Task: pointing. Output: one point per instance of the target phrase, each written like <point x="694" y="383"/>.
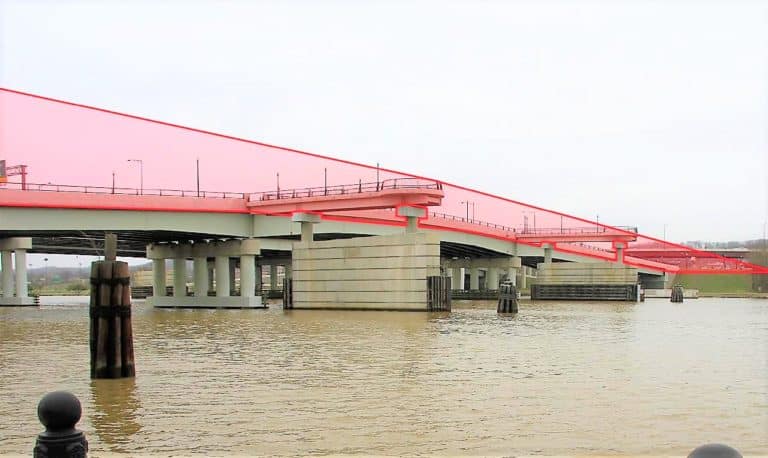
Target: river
<point x="651" y="378"/>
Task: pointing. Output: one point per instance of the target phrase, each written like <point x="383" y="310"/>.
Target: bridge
<point x="353" y="243"/>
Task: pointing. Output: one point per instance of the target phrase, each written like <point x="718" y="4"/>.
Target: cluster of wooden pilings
<point x="287" y="293"/>
<point x="507" y="298"/>
<point x="438" y="293"/>
<point x="110" y="310"/>
<point x="677" y="293"/>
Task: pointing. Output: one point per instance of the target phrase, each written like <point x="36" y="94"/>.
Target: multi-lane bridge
<point x="352" y="240"/>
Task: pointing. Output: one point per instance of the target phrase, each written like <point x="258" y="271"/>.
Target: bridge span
<point x="225" y="232"/>
<point x="371" y="238"/>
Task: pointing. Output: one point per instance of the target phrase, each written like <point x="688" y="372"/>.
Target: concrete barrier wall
<point x="377" y="273"/>
<point x="571" y="273"/>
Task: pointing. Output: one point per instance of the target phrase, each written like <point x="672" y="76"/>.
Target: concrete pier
<point x="14" y="278"/>
<point x="200" y="272"/>
<point x="585" y="281"/>
<point x="457" y="282"/>
<point x="221" y="271"/>
<point x="474" y="278"/>
<point x="247" y="250"/>
<point x="179" y="277"/>
<point x="367" y="273"/>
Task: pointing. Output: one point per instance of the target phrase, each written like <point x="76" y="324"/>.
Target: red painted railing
<point x="337" y="190"/>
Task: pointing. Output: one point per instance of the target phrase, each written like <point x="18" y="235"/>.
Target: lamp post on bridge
<point x="141" y="174"/>
<point x="467" y="202"/>
<point x="525" y="220"/>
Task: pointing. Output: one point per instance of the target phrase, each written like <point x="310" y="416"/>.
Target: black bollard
<point x="714" y="451"/>
<point x="59" y="412"/>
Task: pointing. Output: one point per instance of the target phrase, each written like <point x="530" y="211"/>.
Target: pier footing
<point x="237" y="302"/>
<point x="18" y="301"/>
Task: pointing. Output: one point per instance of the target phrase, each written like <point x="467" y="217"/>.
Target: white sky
<point x="645" y="113"/>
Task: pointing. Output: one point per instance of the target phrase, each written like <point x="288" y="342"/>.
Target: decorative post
<point x="59" y="412"/>
<point x="714" y="451"/>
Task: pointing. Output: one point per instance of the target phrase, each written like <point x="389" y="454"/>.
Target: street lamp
<point x="525" y="220"/>
<point x="473" y="209"/>
<point x="141" y="174"/>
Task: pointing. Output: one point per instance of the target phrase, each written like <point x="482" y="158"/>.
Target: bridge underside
<point x="133" y="243"/>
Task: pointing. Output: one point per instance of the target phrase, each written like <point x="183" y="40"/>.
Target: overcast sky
<point x="645" y="113"/>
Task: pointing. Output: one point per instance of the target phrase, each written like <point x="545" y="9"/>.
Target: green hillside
<point x="716" y="283"/>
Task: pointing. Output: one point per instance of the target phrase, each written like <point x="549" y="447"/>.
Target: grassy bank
<point x="710" y="285"/>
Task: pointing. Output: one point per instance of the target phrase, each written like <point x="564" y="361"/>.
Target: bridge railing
<point x="344" y="189"/>
<point x="85" y="189"/>
<point x="534" y="231"/>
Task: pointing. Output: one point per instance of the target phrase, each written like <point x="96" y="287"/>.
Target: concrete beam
<point x="16" y="243"/>
<point x="234" y="248"/>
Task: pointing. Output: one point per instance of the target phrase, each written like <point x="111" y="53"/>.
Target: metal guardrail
<point x="534" y="231"/>
<point x="338" y="190"/>
<point x="83" y="189"/>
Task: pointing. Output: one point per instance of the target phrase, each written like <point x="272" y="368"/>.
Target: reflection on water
<point x="557" y="378"/>
<point x="115" y="413"/>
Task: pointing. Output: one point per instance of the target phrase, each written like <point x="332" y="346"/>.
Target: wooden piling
<point x="111" y="329"/>
<point x="507" y="298"/>
<point x="677" y="294"/>
<point x="287" y="293"/>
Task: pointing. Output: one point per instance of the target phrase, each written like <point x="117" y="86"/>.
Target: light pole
<point x="141" y="174"/>
<point x="473" y="208"/>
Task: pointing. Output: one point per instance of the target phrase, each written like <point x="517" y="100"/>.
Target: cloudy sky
<point x="646" y="113"/>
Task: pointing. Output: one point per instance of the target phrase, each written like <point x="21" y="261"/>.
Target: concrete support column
<point x="7" y="260"/>
<point x="523" y="279"/>
<point x="307" y="232"/>
<point x="247" y="276"/>
<point x="258" y="279"/>
<point x="492" y="278"/>
<point x="211" y="275"/>
<point x="547" y="253"/>
<point x="222" y="276"/>
<point x="200" y="268"/>
<point x="411" y="225"/>
<point x="474" y="278"/>
<point x="306" y="220"/>
<point x="412" y="215"/>
<point x="512" y="275"/>
<point x="273" y="277"/>
<point x="179" y="277"/>
<point x="158" y="277"/>
<point x="619" y="253"/>
<point x="457" y="282"/>
<point x="232" y="274"/>
<point x="21" y="273"/>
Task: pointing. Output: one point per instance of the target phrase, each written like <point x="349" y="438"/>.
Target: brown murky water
<point x="558" y="378"/>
